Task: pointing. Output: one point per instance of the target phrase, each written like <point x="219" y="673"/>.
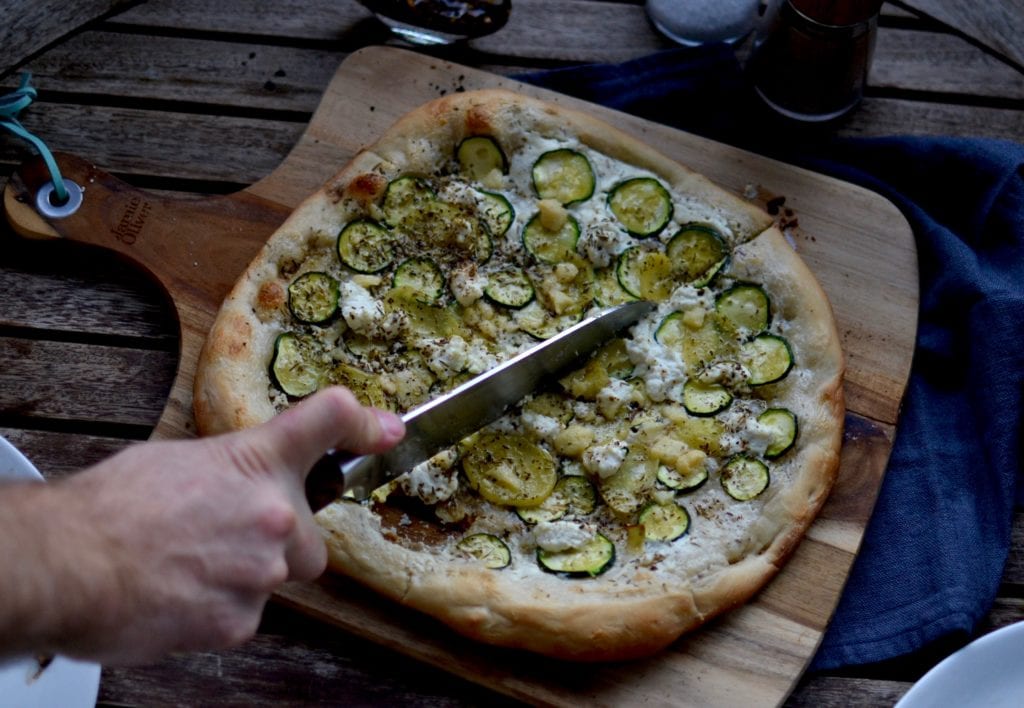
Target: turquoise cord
<point x="10" y="106"/>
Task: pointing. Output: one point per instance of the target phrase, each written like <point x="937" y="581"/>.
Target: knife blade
<point x="442" y="422"/>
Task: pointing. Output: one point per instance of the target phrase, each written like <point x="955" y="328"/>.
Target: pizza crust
<point x="632" y="610"/>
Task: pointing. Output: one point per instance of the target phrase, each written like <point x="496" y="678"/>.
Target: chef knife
<point x="444" y="421"/>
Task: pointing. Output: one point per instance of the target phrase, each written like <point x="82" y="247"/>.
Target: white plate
<point x="986" y="672"/>
<point x="65" y="682"/>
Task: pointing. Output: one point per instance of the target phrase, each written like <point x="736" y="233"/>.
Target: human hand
<point x="172" y="546"/>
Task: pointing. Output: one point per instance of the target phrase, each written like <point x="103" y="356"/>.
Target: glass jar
<point x="811" y="62"/>
<point x="440" y="21"/>
<point x="695" y="22"/>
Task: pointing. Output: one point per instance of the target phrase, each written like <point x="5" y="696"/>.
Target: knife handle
<point x="325" y="482"/>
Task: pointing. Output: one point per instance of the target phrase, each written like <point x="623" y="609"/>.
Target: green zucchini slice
<point x="744" y="478"/>
<point x="365" y="246"/>
<point x="704" y="399"/>
<point x="607" y="290"/>
<point x="698" y="253"/>
<point x="364" y="386"/>
<point x="572" y="496"/>
<point x="496" y="212"/>
<point x="645" y="273"/>
<point x="664" y="522"/>
<point x="551" y="246"/>
<point x="510" y="469"/>
<point x="589" y="560"/>
<point x="296" y="366"/>
<point x="511" y="288"/>
<point x="480" y="155"/>
<point x="679" y="482"/>
<point x="486" y="548"/>
<point x="365" y="347"/>
<point x="768" y="358"/>
<point x="422" y="277"/>
<point x="565" y="175"/>
<point x="538" y="322"/>
<point x="405" y="199"/>
<point x="313" y="297"/>
<point x="783" y="426"/>
<point x="746" y="308"/>
<point x="642" y="205"/>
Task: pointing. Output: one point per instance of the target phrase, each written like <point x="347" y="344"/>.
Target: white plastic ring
<point x="54" y="211"/>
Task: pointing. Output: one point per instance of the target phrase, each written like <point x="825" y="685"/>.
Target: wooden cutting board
<point x="857" y="243"/>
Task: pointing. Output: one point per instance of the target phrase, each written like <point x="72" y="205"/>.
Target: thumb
<point x="331" y="418"/>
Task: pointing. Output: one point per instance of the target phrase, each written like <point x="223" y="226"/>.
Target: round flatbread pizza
<point x="661" y="483"/>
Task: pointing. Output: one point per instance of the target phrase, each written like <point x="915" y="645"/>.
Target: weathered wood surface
<point x="995" y="25"/>
<point x="205" y="98"/>
<point x="29" y="25"/>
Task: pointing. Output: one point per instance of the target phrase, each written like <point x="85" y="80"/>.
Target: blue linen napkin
<point x="937" y="542"/>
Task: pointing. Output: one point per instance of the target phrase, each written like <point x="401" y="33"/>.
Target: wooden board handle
<point x="194" y="248"/>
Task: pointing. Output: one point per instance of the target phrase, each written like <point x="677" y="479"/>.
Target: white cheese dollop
<point x="434" y="480"/>
<point x="361" y="311"/>
<point x="605" y="460"/>
<point x="544" y="427"/>
<point x="560" y="535"/>
<point x="446" y="356"/>
<point x="467" y="284"/>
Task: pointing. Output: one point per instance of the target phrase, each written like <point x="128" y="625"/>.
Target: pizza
<point x="661" y="483"/>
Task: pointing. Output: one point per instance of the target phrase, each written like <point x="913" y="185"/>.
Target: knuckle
<point x="277" y="520"/>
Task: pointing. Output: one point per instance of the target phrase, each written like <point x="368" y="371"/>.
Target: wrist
<point x="56" y="570"/>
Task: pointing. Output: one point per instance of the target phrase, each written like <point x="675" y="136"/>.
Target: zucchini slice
<point x="422" y="277"/>
<point x="704" y="399"/>
<point x="783" y="426"/>
<point x="744" y="478"/>
<point x="550" y="405"/>
<point x="589" y="560"/>
<point x="365" y="246"/>
<point x="698" y="252"/>
<point x="768" y="358"/>
<point x="496" y="212"/>
<point x="511" y="288"/>
<point x="614" y="357"/>
<point x="745" y="308"/>
<point x="607" y="290"/>
<point x="565" y="175"/>
<point x="679" y="482"/>
<point x="296" y="366"/>
<point x="699" y="346"/>
<point x="538" y="322"/>
<point x="645" y="273"/>
<point x="313" y="297"/>
<point x="642" y="205"/>
<point x="510" y="469"/>
<point x="572" y="496"/>
<point x="480" y="155"/>
<point x="364" y="386"/>
<point x="627" y="489"/>
<point x="365" y="347"/>
<point x="405" y="199"/>
<point x="486" y="548"/>
<point x="664" y="522"/>
<point x="551" y="246"/>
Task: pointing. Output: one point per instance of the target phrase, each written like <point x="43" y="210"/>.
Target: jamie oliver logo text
<point x="132" y="220"/>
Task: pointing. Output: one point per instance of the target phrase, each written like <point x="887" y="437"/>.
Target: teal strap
<point x="10" y="106"/>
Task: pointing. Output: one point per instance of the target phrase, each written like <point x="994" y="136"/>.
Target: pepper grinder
<point x="811" y="61"/>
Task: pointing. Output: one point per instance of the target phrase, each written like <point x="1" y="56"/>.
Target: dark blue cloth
<point x="935" y="548"/>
